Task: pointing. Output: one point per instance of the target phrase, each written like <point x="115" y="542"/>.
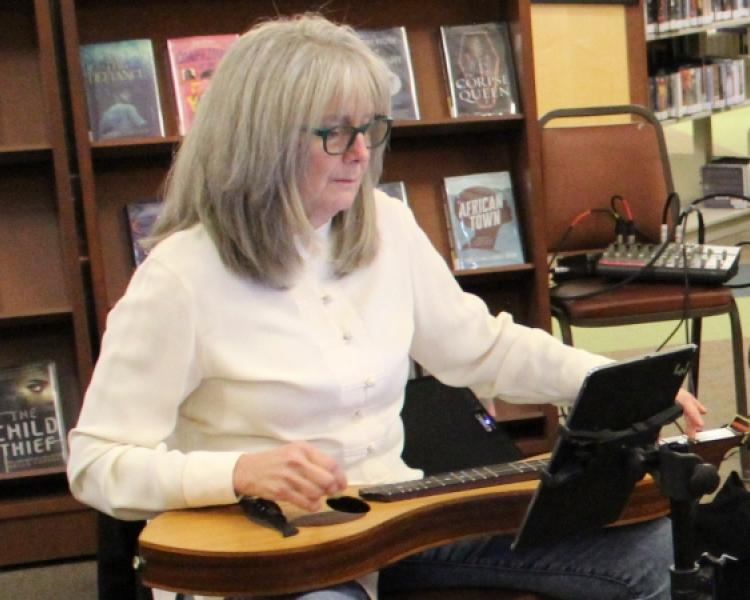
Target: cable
<point x="671" y="198"/>
<point x="682" y="221"/>
<point x="622" y="282"/>
<point x="580" y="217"/>
<point x="625" y="204"/>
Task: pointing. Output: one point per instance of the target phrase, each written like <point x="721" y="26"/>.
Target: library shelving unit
<point x="698" y="41"/>
<point x="43" y="305"/>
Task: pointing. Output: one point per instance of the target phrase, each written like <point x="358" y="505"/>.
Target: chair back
<point x="584" y="165"/>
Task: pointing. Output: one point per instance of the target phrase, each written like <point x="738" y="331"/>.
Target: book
<point x="32" y="430"/>
<point x="396" y="189"/>
<point x="392" y="46"/>
<point x="192" y="62"/>
<point x="122" y="91"/>
<point x="141" y="218"/>
<point x="479" y="69"/>
<point x="482" y="221"/>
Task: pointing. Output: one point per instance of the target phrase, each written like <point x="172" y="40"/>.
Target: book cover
<point x="392" y="46"/>
<point x="482" y="221"/>
<point x="122" y="92"/>
<point x="396" y="189"/>
<point x="192" y="62"/>
<point x="141" y="218"/>
<point x="32" y="430"/>
<point x="479" y="69"/>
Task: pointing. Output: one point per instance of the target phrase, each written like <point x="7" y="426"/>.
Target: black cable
<point x="622" y="282"/>
<point x="569" y="230"/>
<point x="671" y="197"/>
<point x="682" y="220"/>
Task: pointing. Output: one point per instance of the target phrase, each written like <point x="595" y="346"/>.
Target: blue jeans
<point x="620" y="563"/>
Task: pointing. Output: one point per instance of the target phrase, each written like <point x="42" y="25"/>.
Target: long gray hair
<point x="239" y="168"/>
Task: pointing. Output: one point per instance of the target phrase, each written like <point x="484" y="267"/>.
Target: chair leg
<point x="695" y="337"/>
<point x="566" y="333"/>
<point x="740" y="385"/>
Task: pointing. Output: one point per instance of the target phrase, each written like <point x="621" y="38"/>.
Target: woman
<point x="262" y="348"/>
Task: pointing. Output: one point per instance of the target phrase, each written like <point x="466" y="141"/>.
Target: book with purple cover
<point x="141" y="218"/>
<point x="32" y="429"/>
<point x="122" y="92"/>
<point x="192" y="61"/>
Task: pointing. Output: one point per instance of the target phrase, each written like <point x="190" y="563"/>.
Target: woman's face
<point x="330" y="183"/>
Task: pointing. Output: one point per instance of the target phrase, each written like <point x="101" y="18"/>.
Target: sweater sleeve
<point x="149" y="363"/>
<point x="462" y="344"/>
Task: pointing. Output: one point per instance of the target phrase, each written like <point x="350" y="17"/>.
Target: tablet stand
<point x="599" y="468"/>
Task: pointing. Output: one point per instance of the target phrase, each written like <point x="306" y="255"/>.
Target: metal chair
<point x="608" y="151"/>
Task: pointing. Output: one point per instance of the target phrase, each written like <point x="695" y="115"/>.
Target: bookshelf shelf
<point x="25" y="153"/>
<point x="707" y="28"/>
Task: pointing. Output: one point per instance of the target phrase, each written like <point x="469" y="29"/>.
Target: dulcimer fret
<point x="456" y="480"/>
<point x="711" y="445"/>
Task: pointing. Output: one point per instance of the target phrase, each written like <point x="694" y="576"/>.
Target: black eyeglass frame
<point x="324" y="132"/>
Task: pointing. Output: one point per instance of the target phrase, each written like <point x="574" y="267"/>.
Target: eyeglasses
<point x="338" y="140"/>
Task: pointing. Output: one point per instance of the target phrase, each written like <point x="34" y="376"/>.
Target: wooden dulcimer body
<point x="219" y="551"/>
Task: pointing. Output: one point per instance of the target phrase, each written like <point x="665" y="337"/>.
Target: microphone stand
<point x="683" y="477"/>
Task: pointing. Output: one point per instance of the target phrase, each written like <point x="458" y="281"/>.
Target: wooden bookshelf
<point x="43" y="303"/>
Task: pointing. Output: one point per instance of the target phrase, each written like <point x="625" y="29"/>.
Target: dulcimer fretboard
<point x="717" y="441"/>
<point x="456" y="480"/>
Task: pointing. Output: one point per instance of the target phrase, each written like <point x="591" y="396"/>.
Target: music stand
<point x="607" y="445"/>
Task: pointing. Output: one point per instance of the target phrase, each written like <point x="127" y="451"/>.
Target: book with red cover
<point x="192" y="61"/>
<point x="482" y="221"/>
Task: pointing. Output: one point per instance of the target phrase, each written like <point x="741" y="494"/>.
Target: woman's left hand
<point x="692" y="410"/>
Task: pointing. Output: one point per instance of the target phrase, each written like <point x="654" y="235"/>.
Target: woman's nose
<point x="358" y="150"/>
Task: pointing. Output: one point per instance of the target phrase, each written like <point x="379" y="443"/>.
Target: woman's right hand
<point x="297" y="472"/>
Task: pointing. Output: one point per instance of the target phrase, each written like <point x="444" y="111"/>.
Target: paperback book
<point x="482" y="221"/>
<point x="479" y="69"/>
<point x="192" y="61"/>
<point x="32" y="431"/>
<point x="141" y="218"/>
<point x="396" y="189"/>
<point x="392" y="46"/>
<point x="122" y="92"/>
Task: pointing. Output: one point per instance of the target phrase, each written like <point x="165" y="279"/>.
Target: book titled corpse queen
<point x="482" y="220"/>
<point x="479" y="69"/>
<point x="32" y="432"/>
